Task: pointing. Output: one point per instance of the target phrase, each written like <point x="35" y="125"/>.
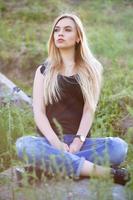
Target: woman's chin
<point x="64" y="47"/>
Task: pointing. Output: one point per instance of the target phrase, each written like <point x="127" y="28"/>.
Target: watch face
<point x="82" y="138"/>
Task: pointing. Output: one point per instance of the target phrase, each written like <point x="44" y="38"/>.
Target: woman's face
<point x="65" y="34"/>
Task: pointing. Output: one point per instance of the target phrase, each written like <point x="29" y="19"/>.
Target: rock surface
<point x="126" y="123"/>
<point x="55" y="189"/>
<point x="10" y="92"/>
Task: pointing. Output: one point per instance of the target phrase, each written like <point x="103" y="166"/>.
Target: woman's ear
<point x="78" y="40"/>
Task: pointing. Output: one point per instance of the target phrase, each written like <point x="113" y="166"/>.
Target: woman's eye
<point x="55" y="30"/>
<point x="68" y="30"/>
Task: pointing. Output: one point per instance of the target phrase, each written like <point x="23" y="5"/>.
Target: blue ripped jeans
<point x="38" y="151"/>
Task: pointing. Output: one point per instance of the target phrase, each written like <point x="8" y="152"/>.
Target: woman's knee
<point x="23" y="144"/>
<point x="20" y="142"/>
<point x="118" y="150"/>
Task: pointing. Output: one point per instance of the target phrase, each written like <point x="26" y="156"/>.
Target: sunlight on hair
<point x="89" y="68"/>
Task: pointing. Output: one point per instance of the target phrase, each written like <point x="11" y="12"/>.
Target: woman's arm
<point x="39" y="110"/>
<point x="84" y="127"/>
<point x="86" y="121"/>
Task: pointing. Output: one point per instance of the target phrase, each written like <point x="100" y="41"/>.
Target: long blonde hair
<point x="89" y="68"/>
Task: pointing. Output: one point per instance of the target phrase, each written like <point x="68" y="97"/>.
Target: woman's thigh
<point x="101" y="150"/>
<point x="31" y="145"/>
<point x="38" y="151"/>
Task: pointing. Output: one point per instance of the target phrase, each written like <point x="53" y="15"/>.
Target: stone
<point x="9" y="92"/>
<point x="126" y="123"/>
<point x="61" y="189"/>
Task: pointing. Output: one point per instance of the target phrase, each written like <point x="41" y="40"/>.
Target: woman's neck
<point x="68" y="65"/>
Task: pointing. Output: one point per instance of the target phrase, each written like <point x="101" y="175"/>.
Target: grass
<point x="24" y="30"/>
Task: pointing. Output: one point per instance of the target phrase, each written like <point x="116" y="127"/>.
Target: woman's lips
<point x="60" y="40"/>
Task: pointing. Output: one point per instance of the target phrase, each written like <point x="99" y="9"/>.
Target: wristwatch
<point x="81" y="137"/>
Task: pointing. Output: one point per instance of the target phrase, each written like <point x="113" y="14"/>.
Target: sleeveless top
<point x="68" y="110"/>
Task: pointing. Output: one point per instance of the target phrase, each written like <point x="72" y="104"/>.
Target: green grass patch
<point x="24" y="32"/>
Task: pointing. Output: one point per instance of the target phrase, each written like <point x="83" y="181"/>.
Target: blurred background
<point x="25" y="26"/>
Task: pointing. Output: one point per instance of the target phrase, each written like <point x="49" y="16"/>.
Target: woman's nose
<point x="60" y="35"/>
<point x="61" y="31"/>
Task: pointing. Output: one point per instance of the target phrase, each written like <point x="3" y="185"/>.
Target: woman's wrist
<point x="77" y="141"/>
<point x="81" y="137"/>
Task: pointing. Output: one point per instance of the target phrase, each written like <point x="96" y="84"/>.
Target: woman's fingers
<point x="65" y="147"/>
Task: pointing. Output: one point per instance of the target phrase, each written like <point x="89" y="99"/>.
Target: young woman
<point x="65" y="96"/>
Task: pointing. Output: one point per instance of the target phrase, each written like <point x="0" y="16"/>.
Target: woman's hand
<point x="75" y="146"/>
<point x="64" y="147"/>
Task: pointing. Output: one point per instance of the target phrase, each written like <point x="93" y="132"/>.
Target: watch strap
<point x="81" y="137"/>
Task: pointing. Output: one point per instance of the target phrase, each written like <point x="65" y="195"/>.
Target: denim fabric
<point x="37" y="150"/>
